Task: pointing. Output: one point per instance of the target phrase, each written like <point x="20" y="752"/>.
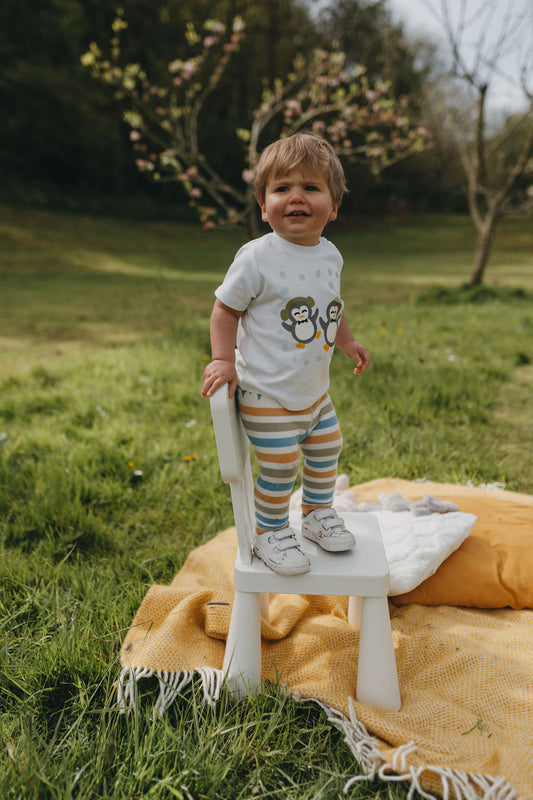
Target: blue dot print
<point x="301" y="277"/>
<point x="285" y="291"/>
<point x="282" y="274"/>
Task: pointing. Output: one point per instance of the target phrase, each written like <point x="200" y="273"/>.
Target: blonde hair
<point x="308" y="151"/>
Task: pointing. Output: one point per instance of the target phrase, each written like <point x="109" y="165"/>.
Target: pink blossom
<point x="214" y="26"/>
<point x="189" y="68"/>
<point x="247" y="175"/>
<point x="195" y="192"/>
<point x="134" y="136"/>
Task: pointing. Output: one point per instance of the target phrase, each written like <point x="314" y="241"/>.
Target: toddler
<point x="280" y="302"/>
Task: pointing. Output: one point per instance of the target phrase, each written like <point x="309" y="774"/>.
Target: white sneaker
<point x="280" y="551"/>
<point x="324" y="527"/>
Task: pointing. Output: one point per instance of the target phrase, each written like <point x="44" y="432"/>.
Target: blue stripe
<point x="269" y="524"/>
<point x="324" y="498"/>
<point x="330" y="422"/>
<point x="321" y="464"/>
<point x="274" y="487"/>
<point x="286" y="441"/>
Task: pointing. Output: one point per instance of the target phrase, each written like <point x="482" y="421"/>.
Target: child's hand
<point x="216" y="374"/>
<point x="360" y="355"/>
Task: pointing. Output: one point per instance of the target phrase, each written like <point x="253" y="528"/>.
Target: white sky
<point x="419" y="21"/>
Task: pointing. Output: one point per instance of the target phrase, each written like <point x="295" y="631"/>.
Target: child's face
<point x="298" y="206"/>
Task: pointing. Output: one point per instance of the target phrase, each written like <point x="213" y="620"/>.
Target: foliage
<point x="322" y="92"/>
<point x="366" y="33"/>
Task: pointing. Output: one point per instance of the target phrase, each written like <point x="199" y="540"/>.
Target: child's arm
<point x="354" y="350"/>
<point x="221" y="370"/>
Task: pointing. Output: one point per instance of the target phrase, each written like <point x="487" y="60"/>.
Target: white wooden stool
<point x="362" y="574"/>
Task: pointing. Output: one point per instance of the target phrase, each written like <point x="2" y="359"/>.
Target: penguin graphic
<point x="299" y="319"/>
<point x="330" y="325"/>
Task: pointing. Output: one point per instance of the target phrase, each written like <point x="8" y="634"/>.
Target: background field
<point x="103" y="341"/>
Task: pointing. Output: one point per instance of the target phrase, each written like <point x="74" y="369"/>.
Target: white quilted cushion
<point x="417" y="546"/>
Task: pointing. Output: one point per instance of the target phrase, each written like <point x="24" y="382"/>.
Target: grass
<point x="108" y="475"/>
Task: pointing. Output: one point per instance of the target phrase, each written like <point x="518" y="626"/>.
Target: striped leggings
<point x="277" y="435"/>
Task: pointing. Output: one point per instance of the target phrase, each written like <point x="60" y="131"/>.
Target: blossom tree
<point x="322" y="93"/>
<point x="498" y="166"/>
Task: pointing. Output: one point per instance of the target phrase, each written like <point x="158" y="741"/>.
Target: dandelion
<point x="383" y="331"/>
<point x="131" y="464"/>
<point x="206" y="357"/>
<point x="399" y="329"/>
<point x="189" y="458"/>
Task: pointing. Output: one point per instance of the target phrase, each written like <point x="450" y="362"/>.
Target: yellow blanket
<point x="466" y="674"/>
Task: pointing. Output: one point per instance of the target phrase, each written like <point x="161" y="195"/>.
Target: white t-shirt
<point x="291" y="298"/>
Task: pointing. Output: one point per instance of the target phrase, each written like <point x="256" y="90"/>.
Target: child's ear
<point x="334" y="211"/>
<point x="264" y="215"/>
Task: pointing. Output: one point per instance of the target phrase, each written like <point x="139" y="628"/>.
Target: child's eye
<point x="311" y="188"/>
<point x="280" y="189"/>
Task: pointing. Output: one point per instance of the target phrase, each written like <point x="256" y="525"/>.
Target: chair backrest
<point x="234" y="456"/>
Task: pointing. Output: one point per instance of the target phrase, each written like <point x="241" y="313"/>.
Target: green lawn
<point x="104" y="336"/>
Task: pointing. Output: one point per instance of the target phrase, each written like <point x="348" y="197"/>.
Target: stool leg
<point x="242" y="659"/>
<point x="355" y="605"/>
<point x="377" y="677"/>
<point x="264" y="602"/>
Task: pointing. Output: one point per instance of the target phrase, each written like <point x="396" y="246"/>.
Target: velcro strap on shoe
<point x="285" y="539"/>
<point x="329" y="519"/>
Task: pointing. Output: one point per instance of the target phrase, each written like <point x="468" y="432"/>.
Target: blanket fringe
<point x="454" y="783"/>
<point x="171" y="684"/>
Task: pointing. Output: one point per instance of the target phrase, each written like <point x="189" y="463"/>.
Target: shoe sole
<point x="332" y="546"/>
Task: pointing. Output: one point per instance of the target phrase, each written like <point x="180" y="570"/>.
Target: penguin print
<point x="300" y="320"/>
<point x="330" y="325"/>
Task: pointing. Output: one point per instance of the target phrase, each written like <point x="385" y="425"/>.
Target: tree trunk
<point x="252" y="228"/>
<point x="484" y="243"/>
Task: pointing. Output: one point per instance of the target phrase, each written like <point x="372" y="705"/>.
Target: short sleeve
<point x="242" y="282"/>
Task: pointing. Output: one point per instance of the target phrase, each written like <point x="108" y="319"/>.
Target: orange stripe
<point x="252" y="411"/>
<point x="306" y="509"/>
<point x="271" y="501"/>
<point x="314" y="473"/>
<point x="325" y="437"/>
<point x="278" y="458"/>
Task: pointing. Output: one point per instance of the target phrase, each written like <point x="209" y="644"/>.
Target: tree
<point x="364" y="122"/>
<point x="496" y="164"/>
<point x="366" y="33"/>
